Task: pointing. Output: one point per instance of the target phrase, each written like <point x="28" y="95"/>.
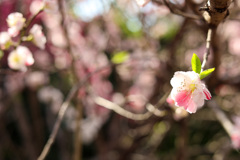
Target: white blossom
<point x="188" y="91"/>
<point x="142" y="2"/>
<point x="36" y="6"/>
<point x="5" y="39"/>
<point x="20" y="58"/>
<point x="38" y="37"/>
<point x="15" y="22"/>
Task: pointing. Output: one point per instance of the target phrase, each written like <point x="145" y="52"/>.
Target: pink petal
<point x="182" y="99"/>
<point x="207" y="94"/>
<point x="192" y="107"/>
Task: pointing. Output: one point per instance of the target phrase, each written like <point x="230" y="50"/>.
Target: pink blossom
<point x="36" y="6"/>
<point x="188" y="91"/>
<point x="5" y="40"/>
<point x="235" y="137"/>
<point x="142" y="2"/>
<point x="38" y="37"/>
<point x="50" y="6"/>
<point x="20" y="58"/>
<point x="15" y="22"/>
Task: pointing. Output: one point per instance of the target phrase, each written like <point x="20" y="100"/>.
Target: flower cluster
<point x="20" y="57"/>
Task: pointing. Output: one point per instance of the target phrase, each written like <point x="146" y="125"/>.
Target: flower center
<point x="192" y="87"/>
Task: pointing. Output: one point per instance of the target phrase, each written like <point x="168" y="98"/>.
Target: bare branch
<point x="208" y="43"/>
<point x="179" y="12"/>
<point x="116" y="108"/>
<point x="222" y="118"/>
<point x="62" y="111"/>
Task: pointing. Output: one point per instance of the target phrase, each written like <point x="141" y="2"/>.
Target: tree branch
<point x="62" y="111"/>
<point x="208" y="43"/>
<point x="176" y="11"/>
<point x="216" y="11"/>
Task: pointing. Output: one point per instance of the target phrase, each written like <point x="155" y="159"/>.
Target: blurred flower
<point x="15" y="22"/>
<point x="179" y="113"/>
<point x="50" y="6"/>
<point x="235" y="134"/>
<point x="38" y="37"/>
<point x="20" y="58"/>
<point x="235" y="137"/>
<point x="5" y="40"/>
<point x="142" y="2"/>
<point x="36" y="79"/>
<point x="36" y="6"/>
<point x="52" y="96"/>
<point x="188" y="91"/>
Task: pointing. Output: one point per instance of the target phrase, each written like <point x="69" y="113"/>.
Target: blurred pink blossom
<point x="38" y="37"/>
<point x="15" y="22"/>
<point x="36" y="6"/>
<point x="20" y="58"/>
<point x="142" y="2"/>
<point x="5" y="39"/>
<point x="188" y="91"/>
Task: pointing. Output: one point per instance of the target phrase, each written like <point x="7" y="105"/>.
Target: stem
<point x="208" y="43"/>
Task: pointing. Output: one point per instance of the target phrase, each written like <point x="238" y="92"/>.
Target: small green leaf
<point x="120" y="57"/>
<point x="196" y="64"/>
<point x="206" y="73"/>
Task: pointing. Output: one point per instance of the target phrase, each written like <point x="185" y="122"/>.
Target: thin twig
<point x="176" y="11"/>
<point x="222" y="118"/>
<point x="208" y="43"/>
<point x="62" y="111"/>
<point x="121" y="111"/>
<point x="116" y="108"/>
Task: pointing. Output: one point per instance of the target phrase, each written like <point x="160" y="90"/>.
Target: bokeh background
<point x="82" y="37"/>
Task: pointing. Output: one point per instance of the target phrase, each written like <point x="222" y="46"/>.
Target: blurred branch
<point x="176" y="11"/>
<point x="62" y="111"/>
<point x="221" y="116"/>
<point x="208" y="43"/>
<point x="116" y="108"/>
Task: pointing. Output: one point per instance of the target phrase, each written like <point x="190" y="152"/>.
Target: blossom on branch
<point x="5" y="40"/>
<point x="15" y="22"/>
<point x="38" y="37"/>
<point x="20" y="58"/>
<point x="188" y="91"/>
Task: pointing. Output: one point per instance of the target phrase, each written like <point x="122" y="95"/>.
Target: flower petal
<point x="192" y="107"/>
<point x="182" y="99"/>
<point x="207" y="94"/>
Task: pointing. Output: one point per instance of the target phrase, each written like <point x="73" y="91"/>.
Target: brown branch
<point x="222" y="118"/>
<point x="62" y="111"/>
<point x="216" y="11"/>
<point x="152" y="110"/>
<point x="208" y="43"/>
<point x="176" y="11"/>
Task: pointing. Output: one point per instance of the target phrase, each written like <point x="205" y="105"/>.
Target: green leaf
<point x="120" y="57"/>
<point x="196" y="64"/>
<point x="206" y="73"/>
